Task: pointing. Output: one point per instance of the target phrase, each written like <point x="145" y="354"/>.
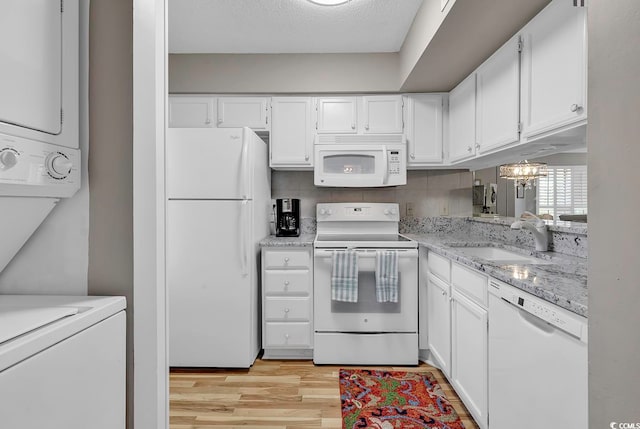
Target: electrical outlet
<point x="409" y="209"/>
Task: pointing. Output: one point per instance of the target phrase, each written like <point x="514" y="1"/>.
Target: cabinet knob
<point x="413" y="156"/>
<point x="575" y="107"/>
<point x="353" y="126"/>
<point x="477" y="145"/>
<point x="444" y="292"/>
<point x="219" y="121"/>
<point x="286" y="310"/>
<point x="286" y="282"/>
<point x="366" y="127"/>
<point x="306" y="157"/>
<point x="286" y="260"/>
<point x="469" y="149"/>
<point x="208" y="121"/>
<point x="286" y="336"/>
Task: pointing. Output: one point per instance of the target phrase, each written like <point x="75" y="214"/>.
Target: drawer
<point x="287" y="335"/>
<point x="470" y="282"/>
<point x="287" y="282"/>
<point x="287" y="309"/>
<point x="286" y="259"/>
<point x="440" y="266"/>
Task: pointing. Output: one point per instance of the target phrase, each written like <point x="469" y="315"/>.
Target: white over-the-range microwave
<point x="360" y="161"/>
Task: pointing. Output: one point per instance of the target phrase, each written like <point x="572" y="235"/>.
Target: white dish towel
<point x="344" y="276"/>
<point x="387" y="276"/>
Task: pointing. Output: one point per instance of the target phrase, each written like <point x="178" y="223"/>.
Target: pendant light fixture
<point x="329" y="2"/>
<point x="523" y="173"/>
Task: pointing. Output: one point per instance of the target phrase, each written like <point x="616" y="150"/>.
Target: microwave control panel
<point x="394" y="162"/>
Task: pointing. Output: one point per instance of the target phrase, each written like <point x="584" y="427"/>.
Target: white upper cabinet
<point x="191" y="112"/>
<point x="424" y="129"/>
<point x="382" y="114"/>
<point x="462" y="120"/>
<point x="498" y="98"/>
<point x="554" y="69"/>
<point x="337" y="115"/>
<point x="292" y="132"/>
<point x="252" y="112"/>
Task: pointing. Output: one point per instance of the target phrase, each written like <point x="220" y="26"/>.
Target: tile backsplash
<point x="427" y="193"/>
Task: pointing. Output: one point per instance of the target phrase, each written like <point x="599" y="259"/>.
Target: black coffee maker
<point x="287" y="217"/>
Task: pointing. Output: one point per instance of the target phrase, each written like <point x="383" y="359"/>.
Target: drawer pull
<point x="286" y="310"/>
<point x="286" y="336"/>
<point x="286" y="260"/>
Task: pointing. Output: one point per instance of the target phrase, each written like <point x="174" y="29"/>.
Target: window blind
<point x="563" y="191"/>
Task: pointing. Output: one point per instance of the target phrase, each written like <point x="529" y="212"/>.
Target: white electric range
<point x="366" y="332"/>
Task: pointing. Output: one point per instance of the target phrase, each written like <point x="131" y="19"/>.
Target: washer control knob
<point x="58" y="165"/>
<point x="8" y="158"/>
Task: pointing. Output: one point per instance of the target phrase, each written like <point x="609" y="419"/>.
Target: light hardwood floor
<point x="270" y="395"/>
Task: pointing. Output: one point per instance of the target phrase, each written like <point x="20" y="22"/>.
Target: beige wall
<point x="282" y="73"/>
<point x="614" y="234"/>
<point x="433" y="193"/>
<point x="110" y="158"/>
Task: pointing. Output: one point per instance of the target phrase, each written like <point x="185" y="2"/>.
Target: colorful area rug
<point x="394" y="399"/>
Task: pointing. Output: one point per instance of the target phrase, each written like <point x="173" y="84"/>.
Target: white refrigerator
<point x="218" y="208"/>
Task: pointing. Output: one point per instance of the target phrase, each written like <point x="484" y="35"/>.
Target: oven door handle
<point x="402" y="253"/>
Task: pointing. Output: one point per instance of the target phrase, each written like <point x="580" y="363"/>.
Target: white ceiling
<point x="288" y="26"/>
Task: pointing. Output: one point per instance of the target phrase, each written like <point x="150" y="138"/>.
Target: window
<point x="563" y="191"/>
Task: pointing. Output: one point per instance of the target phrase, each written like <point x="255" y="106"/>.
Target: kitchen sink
<point x="502" y="256"/>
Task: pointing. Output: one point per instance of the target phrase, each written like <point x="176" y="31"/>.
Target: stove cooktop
<point x="364" y="240"/>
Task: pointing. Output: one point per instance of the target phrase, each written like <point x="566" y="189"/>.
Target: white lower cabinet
<point x="287" y="303"/>
<point x="457" y="320"/>
<point x="469" y="342"/>
<point x="439" y="321"/>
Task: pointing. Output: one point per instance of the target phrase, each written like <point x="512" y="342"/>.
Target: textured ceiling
<point x="288" y="26"/>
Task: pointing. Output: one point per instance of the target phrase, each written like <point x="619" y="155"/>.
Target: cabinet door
<point x="382" y="114"/>
<point x="191" y="112"/>
<point x="554" y="69"/>
<point x="498" y="98"/>
<point x="249" y="112"/>
<point x="291" y="132"/>
<point x="337" y="115"/>
<point x="469" y="345"/>
<point x="424" y="129"/>
<point x="462" y="120"/>
<point x="439" y="322"/>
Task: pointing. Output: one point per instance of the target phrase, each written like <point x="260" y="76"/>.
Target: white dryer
<point x="62" y="362"/>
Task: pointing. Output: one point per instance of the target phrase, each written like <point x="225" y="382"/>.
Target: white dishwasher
<point x="537" y="362"/>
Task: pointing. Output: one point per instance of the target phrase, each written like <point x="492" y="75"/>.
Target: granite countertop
<point x="561" y="281"/>
<point x="304" y="240"/>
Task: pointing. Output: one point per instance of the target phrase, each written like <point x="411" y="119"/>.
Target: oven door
<point x="360" y="165"/>
<point x="366" y="315"/>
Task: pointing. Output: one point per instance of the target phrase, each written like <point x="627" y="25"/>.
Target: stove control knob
<point x="323" y="212"/>
<point x="387" y="212"/>
<point x="58" y="165"/>
<point x="8" y="158"/>
<point x="393" y="211"/>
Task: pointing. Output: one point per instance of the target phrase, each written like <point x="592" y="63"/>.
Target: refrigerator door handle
<point x="245" y="167"/>
<point x="244" y="259"/>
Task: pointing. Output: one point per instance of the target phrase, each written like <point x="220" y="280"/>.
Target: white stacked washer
<point x="366" y="332"/>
